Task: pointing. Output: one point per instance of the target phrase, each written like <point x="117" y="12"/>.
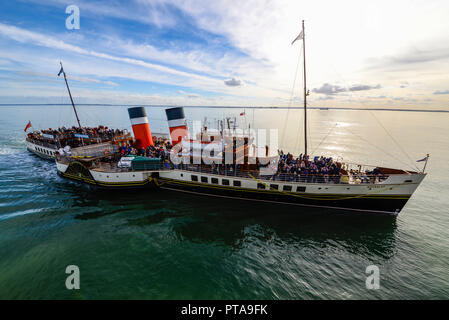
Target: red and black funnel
<point x="141" y="128"/>
<point x="177" y="124"/>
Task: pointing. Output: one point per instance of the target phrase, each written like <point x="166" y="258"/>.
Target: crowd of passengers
<point x="319" y="170"/>
<point x="66" y="136"/>
<point x="160" y="149"/>
<point x="303" y="169"/>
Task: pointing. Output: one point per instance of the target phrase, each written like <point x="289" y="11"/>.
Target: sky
<point x="388" y="54"/>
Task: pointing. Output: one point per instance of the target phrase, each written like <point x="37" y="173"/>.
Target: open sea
<point x="167" y="245"/>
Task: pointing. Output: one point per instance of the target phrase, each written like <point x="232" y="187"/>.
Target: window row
<point x="238" y="183"/>
<point x="42" y="150"/>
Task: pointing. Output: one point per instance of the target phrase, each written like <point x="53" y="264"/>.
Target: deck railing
<point x="42" y="143"/>
<point x="98" y="138"/>
<point x="357" y="178"/>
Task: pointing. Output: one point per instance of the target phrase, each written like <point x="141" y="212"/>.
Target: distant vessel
<point x="226" y="164"/>
<point x="46" y="143"/>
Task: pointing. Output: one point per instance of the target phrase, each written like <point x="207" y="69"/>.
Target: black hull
<point x="390" y="205"/>
<point x="379" y="204"/>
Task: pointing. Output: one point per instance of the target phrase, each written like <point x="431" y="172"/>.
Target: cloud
<point x="154" y="12"/>
<point x="118" y="65"/>
<point x="441" y="92"/>
<point x="420" y="56"/>
<point x="233" y="82"/>
<point x="326" y="98"/>
<point x="329" y="89"/>
<point x="25" y="36"/>
<point x="377" y="97"/>
<point x="196" y="45"/>
<point x="110" y="83"/>
<point x="72" y="77"/>
<point x="404" y="84"/>
<point x="410" y="56"/>
<point x="361" y="87"/>
<point x="189" y="94"/>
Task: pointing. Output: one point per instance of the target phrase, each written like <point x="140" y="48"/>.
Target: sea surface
<point x="167" y="245"/>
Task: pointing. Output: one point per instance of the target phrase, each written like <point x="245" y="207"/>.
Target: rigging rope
<point x="291" y="96"/>
<point x="330" y="131"/>
<point x="397" y="144"/>
<point x="387" y="153"/>
<point x="297" y="143"/>
<point x="413" y="165"/>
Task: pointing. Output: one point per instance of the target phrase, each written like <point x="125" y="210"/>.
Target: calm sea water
<point x="171" y="246"/>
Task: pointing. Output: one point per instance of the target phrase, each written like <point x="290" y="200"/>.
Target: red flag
<point x="28" y="126"/>
<point x="242" y="114"/>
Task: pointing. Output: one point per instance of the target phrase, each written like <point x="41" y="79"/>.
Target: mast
<point x="305" y="88"/>
<point x="70" y="95"/>
<point x="425" y="165"/>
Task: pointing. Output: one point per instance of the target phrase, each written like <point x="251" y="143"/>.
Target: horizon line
<point x="226" y="107"/>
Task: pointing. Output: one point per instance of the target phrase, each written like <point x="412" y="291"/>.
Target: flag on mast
<point x="28" y="126"/>
<point x="242" y="113"/>
<point x="422" y="160"/>
<point x="300" y="37"/>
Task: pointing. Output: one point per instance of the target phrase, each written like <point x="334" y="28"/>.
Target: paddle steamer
<point x="200" y="168"/>
<point x="222" y="163"/>
<point x="46" y="143"/>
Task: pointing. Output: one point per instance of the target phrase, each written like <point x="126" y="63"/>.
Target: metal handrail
<point x="278" y="177"/>
<point x="102" y="137"/>
<point x="42" y="143"/>
<point x="288" y="177"/>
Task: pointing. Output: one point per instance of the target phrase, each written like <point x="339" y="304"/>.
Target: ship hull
<point x="381" y="204"/>
<point x="378" y="199"/>
<point x="43" y="152"/>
